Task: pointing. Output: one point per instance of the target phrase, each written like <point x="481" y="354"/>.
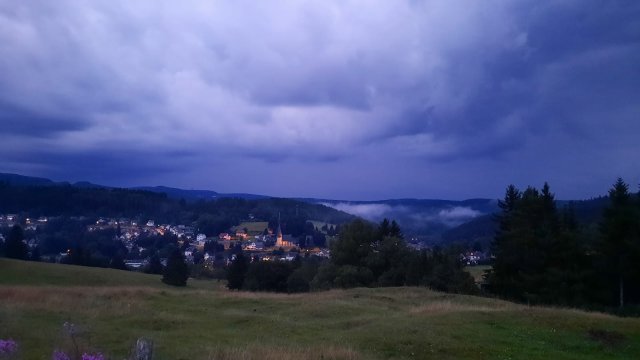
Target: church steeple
<point x="279" y="232"/>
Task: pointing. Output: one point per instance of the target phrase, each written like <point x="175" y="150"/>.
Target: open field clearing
<point x="477" y="272"/>
<point x="252" y="227"/>
<point x="205" y="321"/>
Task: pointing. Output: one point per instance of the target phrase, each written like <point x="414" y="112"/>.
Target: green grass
<point x="205" y="321"/>
<point x="253" y="227"/>
<point x="477" y="272"/>
<point x="13" y="272"/>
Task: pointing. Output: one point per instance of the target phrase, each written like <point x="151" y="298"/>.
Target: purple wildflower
<point x="59" y="355"/>
<point x="96" y="356"/>
<point x="8" y="346"/>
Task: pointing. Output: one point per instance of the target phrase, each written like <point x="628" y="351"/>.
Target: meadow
<point x="205" y="321"/>
<point x="252" y="227"/>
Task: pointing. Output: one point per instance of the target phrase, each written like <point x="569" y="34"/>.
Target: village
<point x="255" y="238"/>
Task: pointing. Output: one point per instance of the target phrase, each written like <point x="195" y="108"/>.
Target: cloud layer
<point x="353" y="99"/>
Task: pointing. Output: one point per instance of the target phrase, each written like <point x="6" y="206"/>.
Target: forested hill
<point x="483" y="228"/>
<point x="188" y="195"/>
<point x="71" y="200"/>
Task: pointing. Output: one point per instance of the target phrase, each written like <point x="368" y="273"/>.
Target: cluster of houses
<point x="30" y="224"/>
<point x="8" y="220"/>
<point x="264" y="245"/>
<point x="260" y="245"/>
<point x="472" y="258"/>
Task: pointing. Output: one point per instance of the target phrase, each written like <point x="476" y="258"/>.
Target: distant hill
<point x="194" y="195"/>
<point x="429" y="220"/>
<point x="46" y="198"/>
<point x="175" y="193"/>
<point x="181" y="193"/>
<point x="424" y="219"/>
<point x="482" y="228"/>
<point x="15" y="179"/>
<point x="21" y="180"/>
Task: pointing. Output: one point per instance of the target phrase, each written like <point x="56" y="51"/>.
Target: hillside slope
<point x="207" y="321"/>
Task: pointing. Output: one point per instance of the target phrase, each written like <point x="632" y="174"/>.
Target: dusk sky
<point x="356" y="100"/>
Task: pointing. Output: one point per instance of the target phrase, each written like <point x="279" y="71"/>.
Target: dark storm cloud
<point x="106" y="167"/>
<point x="424" y="90"/>
<point x="27" y="122"/>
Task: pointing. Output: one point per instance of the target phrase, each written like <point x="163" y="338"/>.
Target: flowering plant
<point x="59" y="355"/>
<point x="8" y="347"/>
<point x="96" y="356"/>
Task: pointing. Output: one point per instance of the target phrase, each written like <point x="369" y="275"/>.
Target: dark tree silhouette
<point x="117" y="263"/>
<point x="237" y="271"/>
<point x="154" y="266"/>
<point x="177" y="272"/>
<point x="620" y="243"/>
<point x="14" y="247"/>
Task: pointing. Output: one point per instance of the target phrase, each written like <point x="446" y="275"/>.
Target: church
<point x="281" y="241"/>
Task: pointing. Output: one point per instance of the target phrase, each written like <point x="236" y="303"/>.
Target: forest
<point x="542" y="255"/>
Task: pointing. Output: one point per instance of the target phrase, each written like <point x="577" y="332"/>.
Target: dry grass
<point x="206" y="321"/>
<point x="114" y="300"/>
<point x="446" y="306"/>
<point x="282" y="353"/>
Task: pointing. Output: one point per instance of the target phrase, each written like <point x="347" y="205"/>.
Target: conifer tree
<point x="537" y="258"/>
<point x="14" y="247"/>
<point x="394" y="230"/>
<point x="117" y="262"/>
<point x="154" y="266"/>
<point x="503" y="277"/>
<point x="177" y="272"/>
<point x="619" y="245"/>
<point x="237" y="271"/>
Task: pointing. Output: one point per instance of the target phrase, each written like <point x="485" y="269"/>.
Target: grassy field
<point x="253" y="227"/>
<point x="205" y="321"/>
<point x="477" y="272"/>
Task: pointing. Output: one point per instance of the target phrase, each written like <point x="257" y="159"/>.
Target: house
<point x="289" y="257"/>
<point x="188" y="252"/>
<point x="242" y="236"/>
<point x="254" y="246"/>
<point x="472" y="257"/>
<point x="135" y="264"/>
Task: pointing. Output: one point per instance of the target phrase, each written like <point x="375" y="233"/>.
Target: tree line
<point x="542" y="255"/>
<point x="210" y="216"/>
<point x="365" y="254"/>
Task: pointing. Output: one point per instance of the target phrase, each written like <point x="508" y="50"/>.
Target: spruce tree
<point x="384" y="228"/>
<point x="237" y="271"/>
<point x="394" y="230"/>
<point x="503" y="277"/>
<point x="117" y="262"/>
<point x="538" y="259"/>
<point x="14" y="247"/>
<point x="177" y="272"/>
<point x="619" y="243"/>
<point x="154" y="266"/>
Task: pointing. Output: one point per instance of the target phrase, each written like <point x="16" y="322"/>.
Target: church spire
<point x="279" y="232"/>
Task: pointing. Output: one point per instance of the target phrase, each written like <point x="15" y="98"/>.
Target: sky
<point x="337" y="99"/>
